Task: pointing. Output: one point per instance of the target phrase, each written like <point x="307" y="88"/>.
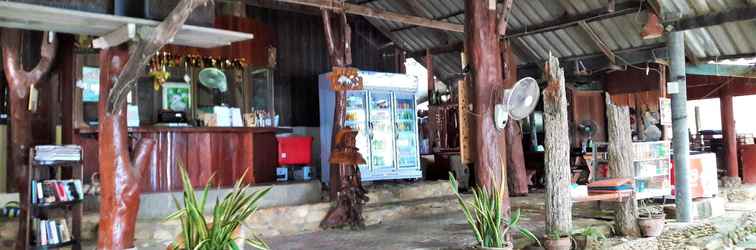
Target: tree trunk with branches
<point x="120" y="171"/>
<point x="346" y="184"/>
<point x="19" y="84"/>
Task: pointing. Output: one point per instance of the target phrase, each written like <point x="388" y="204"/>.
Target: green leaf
<point x="227" y="215"/>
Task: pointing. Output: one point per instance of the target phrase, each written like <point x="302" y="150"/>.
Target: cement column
<point x="728" y="134"/>
<point x="680" y="140"/>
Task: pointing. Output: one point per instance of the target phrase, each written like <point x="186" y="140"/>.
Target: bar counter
<point x="224" y="153"/>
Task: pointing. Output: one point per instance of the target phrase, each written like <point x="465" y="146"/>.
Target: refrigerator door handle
<point x="396" y="131"/>
<point x="370" y="130"/>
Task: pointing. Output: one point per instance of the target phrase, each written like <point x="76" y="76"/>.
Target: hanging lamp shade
<point x="653" y="28"/>
<point x="213" y="78"/>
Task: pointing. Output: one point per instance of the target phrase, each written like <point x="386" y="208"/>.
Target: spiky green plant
<point x="485" y="218"/>
<point x="228" y="215"/>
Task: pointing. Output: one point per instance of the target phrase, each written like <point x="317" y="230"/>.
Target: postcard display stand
<point x="57" y="210"/>
<point x="652" y="169"/>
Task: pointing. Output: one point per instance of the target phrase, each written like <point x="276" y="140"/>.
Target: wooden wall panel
<point x="587" y="105"/>
<point x="302" y="56"/>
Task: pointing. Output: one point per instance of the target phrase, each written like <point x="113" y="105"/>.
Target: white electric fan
<point x="517" y="102"/>
<point x="215" y="80"/>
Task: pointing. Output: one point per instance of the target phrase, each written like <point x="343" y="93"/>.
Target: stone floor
<point x="439" y="231"/>
<point x="449" y="230"/>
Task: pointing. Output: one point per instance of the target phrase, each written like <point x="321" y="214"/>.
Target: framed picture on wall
<point x="177" y="96"/>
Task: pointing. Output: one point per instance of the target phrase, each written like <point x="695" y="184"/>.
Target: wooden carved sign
<point x="346" y="152"/>
<point x="344" y="78"/>
<point x="351" y="196"/>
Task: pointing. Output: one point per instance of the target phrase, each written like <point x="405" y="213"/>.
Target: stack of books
<point x="52" y="232"/>
<point x="51" y="191"/>
<point x="611" y="185"/>
<point x="51" y="153"/>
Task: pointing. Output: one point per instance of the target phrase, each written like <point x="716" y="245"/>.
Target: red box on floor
<point x="294" y="150"/>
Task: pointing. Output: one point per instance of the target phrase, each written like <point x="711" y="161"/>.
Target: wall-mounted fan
<point x="517" y="102"/>
<point x="215" y="80"/>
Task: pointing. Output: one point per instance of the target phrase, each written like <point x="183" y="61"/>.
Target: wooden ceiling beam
<point x="356" y="9"/>
<point x="597" y="41"/>
<point x="711" y="19"/>
<point x="621" y="9"/>
<point x="415" y="8"/>
<point x="441" y="18"/>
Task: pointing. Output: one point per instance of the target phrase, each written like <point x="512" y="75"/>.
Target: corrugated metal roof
<point x="719" y="40"/>
<point x="619" y="33"/>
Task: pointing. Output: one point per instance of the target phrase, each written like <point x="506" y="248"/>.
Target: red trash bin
<point x="294" y="150"/>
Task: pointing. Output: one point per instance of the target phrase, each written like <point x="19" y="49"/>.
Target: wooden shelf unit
<point x="72" y="210"/>
<point x="651" y="165"/>
<point x="37" y="17"/>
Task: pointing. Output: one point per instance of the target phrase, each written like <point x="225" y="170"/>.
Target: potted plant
<point x="589" y="238"/>
<point x="485" y="218"/>
<point x="557" y="240"/>
<point x="222" y="232"/>
<point x="651" y="219"/>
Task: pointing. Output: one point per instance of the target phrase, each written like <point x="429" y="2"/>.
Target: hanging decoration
<point x="164" y="60"/>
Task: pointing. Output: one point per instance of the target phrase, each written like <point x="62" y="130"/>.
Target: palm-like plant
<point x="228" y="215"/>
<point x="485" y="218"/>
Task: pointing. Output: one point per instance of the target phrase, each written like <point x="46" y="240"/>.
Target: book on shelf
<point x="65" y="234"/>
<point x="51" y="191"/>
<point x="52" y="153"/>
<point x="52" y="229"/>
<point x="50" y="232"/>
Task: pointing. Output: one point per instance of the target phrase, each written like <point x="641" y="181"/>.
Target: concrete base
<point x="703" y="208"/>
<point x="160" y="205"/>
<point x="729" y="181"/>
<point x="288" y="209"/>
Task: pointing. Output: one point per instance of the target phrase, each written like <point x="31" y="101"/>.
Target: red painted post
<point x="728" y="134"/>
<point x="429" y="67"/>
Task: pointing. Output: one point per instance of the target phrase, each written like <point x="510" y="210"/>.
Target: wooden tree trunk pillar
<point x="486" y="75"/>
<point x="119" y="171"/>
<point x="19" y="84"/>
<point x="557" y="150"/>
<point x="346" y="185"/>
<point x="621" y="164"/>
<point x="729" y="135"/>
<point x="517" y="177"/>
<point x="119" y="175"/>
<point x="516" y="173"/>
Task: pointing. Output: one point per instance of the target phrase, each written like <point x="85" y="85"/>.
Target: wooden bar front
<point x="221" y="153"/>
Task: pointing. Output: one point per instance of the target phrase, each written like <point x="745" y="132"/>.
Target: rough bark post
<point x="119" y="169"/>
<point x="484" y="58"/>
<point x="621" y="164"/>
<point x="346" y="183"/>
<point x="19" y="82"/>
<point x="557" y="150"/>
